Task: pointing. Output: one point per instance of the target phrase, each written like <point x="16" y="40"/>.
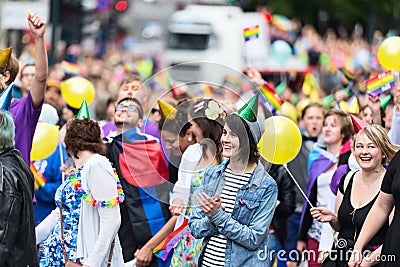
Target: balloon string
<point x="298" y="186"/>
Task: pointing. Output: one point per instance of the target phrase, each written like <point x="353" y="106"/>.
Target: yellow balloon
<point x="76" y="89"/>
<point x="45" y="141"/>
<point x="288" y="110"/>
<point x="281" y="141"/>
<point x="389" y="53"/>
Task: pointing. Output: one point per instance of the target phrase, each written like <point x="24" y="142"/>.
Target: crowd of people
<point x="139" y="170"/>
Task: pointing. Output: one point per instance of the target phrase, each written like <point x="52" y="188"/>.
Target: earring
<point x="189" y="139"/>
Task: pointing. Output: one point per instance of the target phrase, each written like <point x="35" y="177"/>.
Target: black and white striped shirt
<point x="214" y="252"/>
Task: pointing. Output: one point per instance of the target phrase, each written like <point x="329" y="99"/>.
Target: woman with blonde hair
<point x="358" y="191"/>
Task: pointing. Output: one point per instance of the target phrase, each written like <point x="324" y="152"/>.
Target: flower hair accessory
<point x="213" y="111"/>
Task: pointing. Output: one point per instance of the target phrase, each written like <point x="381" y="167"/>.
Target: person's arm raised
<point x="38" y="27"/>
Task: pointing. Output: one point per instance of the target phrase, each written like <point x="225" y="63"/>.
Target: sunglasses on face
<point x="127" y="107"/>
<point x="154" y="110"/>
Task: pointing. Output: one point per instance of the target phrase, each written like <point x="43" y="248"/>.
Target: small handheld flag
<point x="380" y="83"/>
<point x="271" y="96"/>
<point x="347" y="76"/>
<point x="40" y="180"/>
<point x="251" y="33"/>
<point x="163" y="249"/>
<point x="70" y="68"/>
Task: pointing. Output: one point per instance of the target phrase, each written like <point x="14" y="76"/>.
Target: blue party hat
<point x="6" y="97"/>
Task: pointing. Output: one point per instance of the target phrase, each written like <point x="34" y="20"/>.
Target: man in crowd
<point x="140" y="164"/>
<point x="128" y="88"/>
<point x="26" y="111"/>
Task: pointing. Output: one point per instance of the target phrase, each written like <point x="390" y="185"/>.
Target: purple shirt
<point x="108" y="127"/>
<point x="151" y="128"/>
<point x="25" y="120"/>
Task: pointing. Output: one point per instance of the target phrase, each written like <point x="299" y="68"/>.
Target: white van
<point x="205" y="43"/>
<point x="205" y="39"/>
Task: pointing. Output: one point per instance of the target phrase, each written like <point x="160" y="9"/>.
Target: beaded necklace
<point x="93" y="202"/>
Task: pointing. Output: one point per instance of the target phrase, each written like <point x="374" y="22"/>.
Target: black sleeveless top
<point x="351" y="220"/>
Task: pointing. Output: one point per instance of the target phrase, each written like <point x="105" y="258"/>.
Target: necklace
<point x="94" y="202"/>
<point x="371" y="183"/>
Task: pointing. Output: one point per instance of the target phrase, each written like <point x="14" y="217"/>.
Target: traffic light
<point x="121" y="6"/>
<point x="71" y="14"/>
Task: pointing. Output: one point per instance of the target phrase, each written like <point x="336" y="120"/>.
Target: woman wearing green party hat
<point x="237" y="199"/>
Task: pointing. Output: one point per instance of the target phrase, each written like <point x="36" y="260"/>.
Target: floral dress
<point x="187" y="250"/>
<point x="51" y="252"/>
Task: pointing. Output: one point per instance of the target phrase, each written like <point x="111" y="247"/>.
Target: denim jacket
<point x="246" y="228"/>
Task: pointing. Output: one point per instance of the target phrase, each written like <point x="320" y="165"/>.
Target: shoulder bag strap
<point x="62" y="233"/>
<point x="347" y="180"/>
<point x="111" y="253"/>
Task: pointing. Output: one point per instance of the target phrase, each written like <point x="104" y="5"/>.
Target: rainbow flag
<point x="231" y="82"/>
<point x="40" y="180"/>
<point x="347" y="76"/>
<point x="70" y="68"/>
<point x="380" y="83"/>
<point x="251" y="33"/>
<point x="130" y="67"/>
<point x="162" y="80"/>
<point x="206" y="89"/>
<point x="271" y="96"/>
<point x="163" y="249"/>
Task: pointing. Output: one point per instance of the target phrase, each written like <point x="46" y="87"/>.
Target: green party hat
<point x="385" y="101"/>
<point x="250" y="109"/>
<point x="83" y="112"/>
<point x="249" y="113"/>
<point x="167" y="111"/>
<point x="280" y="88"/>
